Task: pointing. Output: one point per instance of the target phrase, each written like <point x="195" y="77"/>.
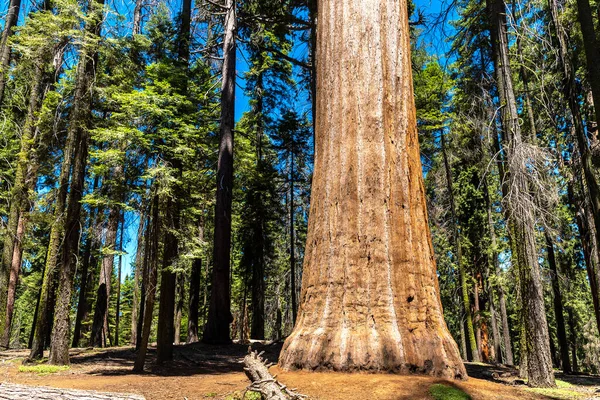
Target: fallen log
<point x="263" y="382"/>
<point x="10" y="391"/>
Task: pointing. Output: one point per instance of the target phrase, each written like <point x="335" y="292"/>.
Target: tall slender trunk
<point x="179" y="307"/>
<point x="82" y="306"/>
<point x="194" y="301"/>
<point x="150" y="293"/>
<point x="292" y="240"/>
<point x="459" y="258"/>
<point x="496" y="337"/>
<point x="495" y="263"/>
<point x="539" y="361"/>
<point x="118" y="310"/>
<point x="561" y="332"/>
<point x="370" y="297"/>
<point x="10" y="21"/>
<point x="100" y="322"/>
<point x="476" y="322"/>
<point x="573" y="334"/>
<point x="257" y="329"/>
<point x="166" y="328"/>
<point x="145" y="280"/>
<point x="216" y="329"/>
<point x="139" y="254"/>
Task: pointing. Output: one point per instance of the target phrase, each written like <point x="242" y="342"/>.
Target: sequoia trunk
<point x="370" y="297"/>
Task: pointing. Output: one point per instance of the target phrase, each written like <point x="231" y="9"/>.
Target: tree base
<point x="437" y="357"/>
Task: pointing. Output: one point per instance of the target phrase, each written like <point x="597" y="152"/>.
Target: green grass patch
<point x="43" y="369"/>
<point x="248" y="396"/>
<point x="559" y="393"/>
<point x="445" y="392"/>
<point x="562" y="384"/>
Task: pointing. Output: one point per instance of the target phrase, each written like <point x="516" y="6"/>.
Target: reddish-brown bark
<point x="370" y="297"/>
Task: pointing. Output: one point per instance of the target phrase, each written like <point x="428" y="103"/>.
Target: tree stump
<point x="17" y="392"/>
<point x="265" y="383"/>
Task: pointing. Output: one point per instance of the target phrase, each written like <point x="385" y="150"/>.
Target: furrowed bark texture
<point x="370" y="297"/>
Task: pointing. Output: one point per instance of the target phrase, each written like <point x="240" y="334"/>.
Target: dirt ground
<point x="204" y="372"/>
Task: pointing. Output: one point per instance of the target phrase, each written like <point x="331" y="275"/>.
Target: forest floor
<point x="204" y="372"/>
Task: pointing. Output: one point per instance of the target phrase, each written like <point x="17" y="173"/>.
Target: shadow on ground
<point x="188" y="359"/>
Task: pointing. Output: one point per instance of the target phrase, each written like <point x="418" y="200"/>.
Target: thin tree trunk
<point x="151" y="259"/>
<point x="82" y="306"/>
<point x="145" y="282"/>
<point x="495" y="267"/>
<point x="166" y="329"/>
<point x="100" y="324"/>
<point x="194" y="301"/>
<point x="118" y="311"/>
<point x="219" y="312"/>
<point x="135" y="309"/>
<point x="459" y="259"/>
<point x="14" y="277"/>
<point x="573" y="334"/>
<point x="257" y="330"/>
<point x="370" y="297"/>
<point x="179" y="306"/>
<point x="476" y="322"/>
<point x="561" y="332"/>
<point x="292" y="241"/>
<point x="539" y="361"/>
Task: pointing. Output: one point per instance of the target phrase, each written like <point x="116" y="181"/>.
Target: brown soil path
<point x="203" y="372"/>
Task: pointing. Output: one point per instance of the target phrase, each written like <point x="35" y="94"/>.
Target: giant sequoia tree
<point x="370" y="297"/>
